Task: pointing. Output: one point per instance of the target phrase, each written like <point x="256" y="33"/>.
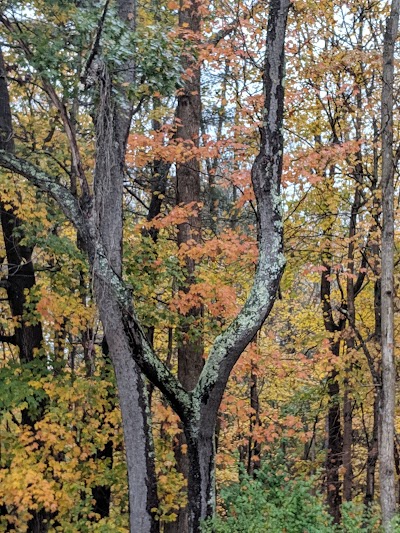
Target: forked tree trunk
<point x="266" y="173"/>
<point x="197" y="409"/>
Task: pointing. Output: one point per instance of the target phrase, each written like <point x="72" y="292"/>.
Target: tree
<point x="103" y="209"/>
<point x="387" y="407"/>
<point x="188" y="116"/>
<point x="99" y="229"/>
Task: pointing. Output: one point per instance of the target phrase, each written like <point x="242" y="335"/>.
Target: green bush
<point x="272" y="502"/>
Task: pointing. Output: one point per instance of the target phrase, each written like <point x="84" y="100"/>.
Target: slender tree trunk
<point x="334" y="430"/>
<point x="190" y="351"/>
<point x="387" y="408"/>
<point x="190" y="346"/>
<point x="372" y="457"/>
<point x="347" y="441"/>
<point x="335" y="449"/>
<point x="253" y="461"/>
<point x="112" y="127"/>
<point x="351" y="313"/>
<point x="373" y="444"/>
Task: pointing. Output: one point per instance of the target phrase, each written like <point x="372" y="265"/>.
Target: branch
<point x="9" y="339"/>
<point x="363" y="343"/>
<point x="142" y="352"/>
<point x="71" y="135"/>
<point x="68" y="125"/>
<point x="50" y="185"/>
<point x="224" y="32"/>
<point x="266" y="177"/>
<point x="95" y="46"/>
<point x="361" y="275"/>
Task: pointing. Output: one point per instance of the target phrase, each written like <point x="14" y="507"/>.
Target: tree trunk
<point x="335" y="449"/>
<point x="266" y="172"/>
<point x="132" y="393"/>
<point x="387" y="408"/>
<point x="21" y="274"/>
<point x="253" y="461"/>
<point x="190" y="350"/>
<point x="190" y="346"/>
<point x="372" y="457"/>
<point x="112" y="128"/>
<point x="201" y="481"/>
<point x="334" y="437"/>
<point x="347" y="442"/>
<point x="352" y="290"/>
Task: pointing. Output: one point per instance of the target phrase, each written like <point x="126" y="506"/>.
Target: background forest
<point x="184" y="84"/>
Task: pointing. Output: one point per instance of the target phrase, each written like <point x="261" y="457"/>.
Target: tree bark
<point x="266" y="175"/>
<point x="335" y="447"/>
<point x="334" y="436"/>
<point x="253" y="460"/>
<point x="372" y="457"/>
<point x="188" y="114"/>
<point x="387" y="408"/>
<point x="21" y="274"/>
<point x="112" y="127"/>
<point x="190" y="345"/>
<point x="352" y="290"/>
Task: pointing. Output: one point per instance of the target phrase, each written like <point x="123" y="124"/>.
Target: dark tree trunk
<point x="352" y="290"/>
<point x="334" y="436"/>
<point x="253" y="461"/>
<point x="347" y="441"/>
<point x="201" y="481"/>
<point x="372" y="457"/>
<point x="188" y="114"/>
<point x="334" y="451"/>
<point x="21" y="274"/>
<point x="190" y="346"/>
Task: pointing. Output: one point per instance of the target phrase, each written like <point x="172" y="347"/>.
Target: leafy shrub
<point x="272" y="502"/>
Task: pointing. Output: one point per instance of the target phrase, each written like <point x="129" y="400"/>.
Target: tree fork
<point x="198" y="409"/>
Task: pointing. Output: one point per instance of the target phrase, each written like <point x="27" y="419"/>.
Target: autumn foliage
<point x="61" y="440"/>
